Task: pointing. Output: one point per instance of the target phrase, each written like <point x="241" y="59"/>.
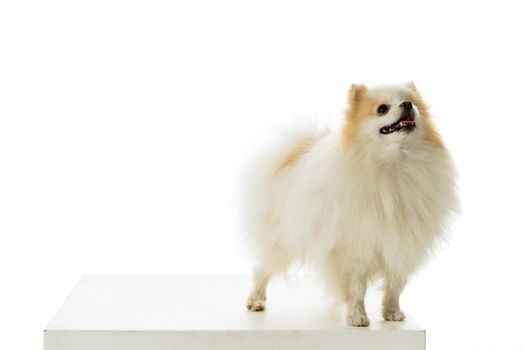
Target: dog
<point x="370" y="200"/>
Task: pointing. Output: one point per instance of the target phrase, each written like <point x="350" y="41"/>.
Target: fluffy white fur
<point x="370" y="207"/>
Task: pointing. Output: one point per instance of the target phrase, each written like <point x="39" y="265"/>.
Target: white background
<point x="123" y="125"/>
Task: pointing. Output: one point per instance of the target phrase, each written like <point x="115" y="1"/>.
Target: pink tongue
<point x="404" y="123"/>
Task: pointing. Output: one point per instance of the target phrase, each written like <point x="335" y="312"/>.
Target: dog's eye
<point x="382" y="109"/>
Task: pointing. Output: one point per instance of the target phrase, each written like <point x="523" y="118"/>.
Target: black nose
<point x="406" y="105"/>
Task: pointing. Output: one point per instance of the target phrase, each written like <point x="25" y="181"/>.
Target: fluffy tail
<point x="260" y="189"/>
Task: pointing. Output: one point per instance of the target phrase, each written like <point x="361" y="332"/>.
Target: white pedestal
<point x="197" y="312"/>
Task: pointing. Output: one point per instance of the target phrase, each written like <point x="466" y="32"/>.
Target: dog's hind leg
<point x="256" y="300"/>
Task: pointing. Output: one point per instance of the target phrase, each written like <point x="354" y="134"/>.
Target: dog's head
<point x="388" y="115"/>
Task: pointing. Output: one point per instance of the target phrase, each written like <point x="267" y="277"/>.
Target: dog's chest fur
<point x="396" y="206"/>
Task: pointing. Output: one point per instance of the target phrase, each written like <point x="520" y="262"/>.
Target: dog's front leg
<point x="356" y="312"/>
<point x="393" y="286"/>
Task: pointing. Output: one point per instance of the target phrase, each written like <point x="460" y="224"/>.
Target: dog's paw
<point x="357" y="320"/>
<point x="255" y="305"/>
<point x="394" y="315"/>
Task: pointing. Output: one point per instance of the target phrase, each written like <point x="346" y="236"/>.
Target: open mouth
<point x="404" y="122"/>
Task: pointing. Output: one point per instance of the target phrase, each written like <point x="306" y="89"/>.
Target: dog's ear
<point x="356" y="93"/>
<point x="411" y="85"/>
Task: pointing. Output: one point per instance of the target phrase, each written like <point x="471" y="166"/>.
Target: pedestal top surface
<point x="207" y="303"/>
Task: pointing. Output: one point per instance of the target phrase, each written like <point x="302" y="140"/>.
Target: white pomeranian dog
<point x="368" y="201"/>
